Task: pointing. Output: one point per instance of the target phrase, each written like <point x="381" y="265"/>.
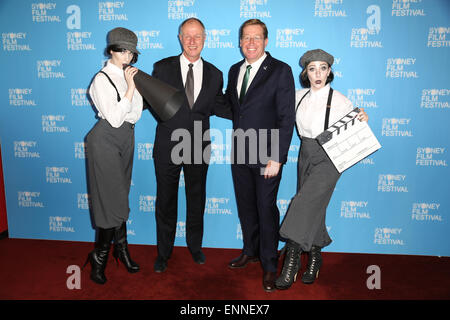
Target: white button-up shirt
<point x="104" y="97"/>
<point x="310" y="117"/>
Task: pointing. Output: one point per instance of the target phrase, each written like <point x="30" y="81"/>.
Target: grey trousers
<point x="317" y="177"/>
<point x="110" y="161"/>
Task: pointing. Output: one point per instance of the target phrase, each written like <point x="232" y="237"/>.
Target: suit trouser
<point x="167" y="184"/>
<point x="256" y="200"/>
<point x="317" y="177"/>
<point x="110" y="162"/>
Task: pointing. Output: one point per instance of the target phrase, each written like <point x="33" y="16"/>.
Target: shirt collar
<point x="321" y="92"/>
<point x="111" y="67"/>
<point x="186" y="62"/>
<point x="255" y="65"/>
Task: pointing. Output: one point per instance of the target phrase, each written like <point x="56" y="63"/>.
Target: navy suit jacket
<point x="269" y="103"/>
<point x="210" y="101"/>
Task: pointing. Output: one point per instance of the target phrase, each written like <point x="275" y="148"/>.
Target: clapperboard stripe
<point x="327" y="135"/>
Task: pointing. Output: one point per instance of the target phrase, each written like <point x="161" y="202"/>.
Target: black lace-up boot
<point x="313" y="267"/>
<point x="291" y="265"/>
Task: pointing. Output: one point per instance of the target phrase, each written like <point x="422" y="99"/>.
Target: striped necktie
<point x="244" y="84"/>
<point x="189" y="87"/>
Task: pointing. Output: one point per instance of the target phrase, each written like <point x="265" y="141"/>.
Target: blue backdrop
<point x="391" y="57"/>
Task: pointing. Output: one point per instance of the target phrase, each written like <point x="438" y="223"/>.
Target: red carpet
<point x="36" y="269"/>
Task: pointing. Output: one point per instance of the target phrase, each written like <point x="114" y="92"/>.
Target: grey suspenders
<point x="118" y="96"/>
<point x="327" y="112"/>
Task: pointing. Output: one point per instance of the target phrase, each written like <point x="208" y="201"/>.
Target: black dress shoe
<point x="242" y="261"/>
<point x="199" y="257"/>
<point x="160" y="264"/>
<point x="269" y="281"/>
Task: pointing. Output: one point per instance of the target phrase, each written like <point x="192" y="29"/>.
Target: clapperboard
<point x="348" y="141"/>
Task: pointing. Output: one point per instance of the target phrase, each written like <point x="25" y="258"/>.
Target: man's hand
<point x="271" y="169"/>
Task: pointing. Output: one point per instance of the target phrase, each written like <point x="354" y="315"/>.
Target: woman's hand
<point x="129" y="74"/>
<point x="362" y="115"/>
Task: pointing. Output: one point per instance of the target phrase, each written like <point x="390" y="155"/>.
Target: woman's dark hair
<point x="117" y="48"/>
<point x="304" y="81"/>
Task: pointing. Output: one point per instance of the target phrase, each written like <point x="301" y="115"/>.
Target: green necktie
<point x="244" y="84"/>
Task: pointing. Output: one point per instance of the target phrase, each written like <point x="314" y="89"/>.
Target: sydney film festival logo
<point x="254" y="9"/>
<point x="407" y="8"/>
<point x="21" y="97"/>
<point x="48" y="69"/>
<point x="401" y="68"/>
<point x="362" y="97"/>
<point x="148" y="39"/>
<point x="355" y="210"/>
<point x="79" y="97"/>
<point x="15" y="41"/>
<point x="180" y="9"/>
<point x="83" y="201"/>
<point x="58" y="175"/>
<point x="435" y="99"/>
<point x="329" y="8"/>
<point x="29" y="199"/>
<point x="76" y="41"/>
<point x="426" y="211"/>
<point x="147" y="203"/>
<point x="283" y="205"/>
<point x="60" y="224"/>
<point x="80" y="149"/>
<point x="396" y="127"/>
<point x="43" y="12"/>
<point x="392" y="183"/>
<point x="54" y="124"/>
<point x="431" y="157"/>
<point x="388" y="236"/>
<point x="218" y="39"/>
<point x="290" y="38"/>
<point x="26" y="149"/>
<point x="145" y="151"/>
<point x="218" y="206"/>
<point x="437" y="37"/>
<point x="293" y="153"/>
<point x="111" y="11"/>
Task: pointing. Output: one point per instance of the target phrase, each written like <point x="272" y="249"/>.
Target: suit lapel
<point x="235" y="77"/>
<point x="263" y="72"/>
<point x="205" y="84"/>
<point x="177" y="73"/>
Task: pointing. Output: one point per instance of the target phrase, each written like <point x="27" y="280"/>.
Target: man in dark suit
<point x="203" y="85"/>
<point x="261" y="91"/>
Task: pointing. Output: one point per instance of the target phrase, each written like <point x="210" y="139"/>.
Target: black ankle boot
<point x="121" y="249"/>
<point x="291" y="266"/>
<point x="313" y="267"/>
<point x="99" y="256"/>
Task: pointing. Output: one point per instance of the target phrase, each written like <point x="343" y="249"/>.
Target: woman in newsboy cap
<point x="304" y="225"/>
<point x="110" y="149"/>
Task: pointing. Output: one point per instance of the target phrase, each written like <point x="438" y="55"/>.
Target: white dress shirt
<point x="310" y="117"/>
<point x="104" y="97"/>
<point x="255" y="67"/>
<point x="197" y="69"/>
